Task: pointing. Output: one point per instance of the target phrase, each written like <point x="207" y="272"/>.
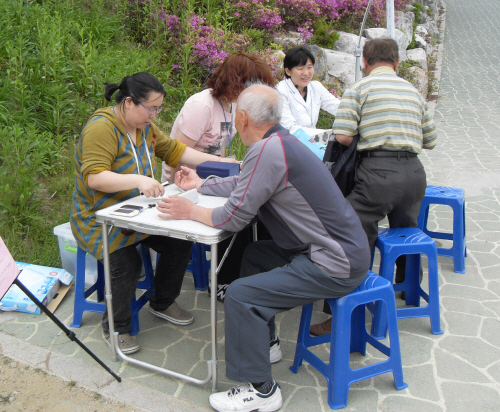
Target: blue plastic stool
<point x="349" y="335"/>
<point x="199" y="266"/>
<point x="455" y="199"/>
<point x="83" y="305"/>
<point x="412" y="242"/>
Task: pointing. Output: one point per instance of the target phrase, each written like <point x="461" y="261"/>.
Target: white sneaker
<point x="245" y="398"/>
<point x="275" y="351"/>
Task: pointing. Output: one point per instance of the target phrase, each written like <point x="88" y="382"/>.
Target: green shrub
<point x="324" y="34"/>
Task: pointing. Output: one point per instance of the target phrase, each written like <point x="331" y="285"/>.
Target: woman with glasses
<point x="115" y="160"/>
<point x="203" y="120"/>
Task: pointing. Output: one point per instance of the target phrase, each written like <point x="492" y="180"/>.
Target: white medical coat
<point x="303" y="114"/>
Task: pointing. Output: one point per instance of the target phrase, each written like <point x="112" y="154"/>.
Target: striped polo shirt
<point x="387" y="112"/>
<point x="104" y="146"/>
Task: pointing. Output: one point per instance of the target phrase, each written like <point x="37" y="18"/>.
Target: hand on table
<point x="175" y="207"/>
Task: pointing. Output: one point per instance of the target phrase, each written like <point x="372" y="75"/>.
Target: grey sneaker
<point x="174" y="314"/>
<point x="128" y="344"/>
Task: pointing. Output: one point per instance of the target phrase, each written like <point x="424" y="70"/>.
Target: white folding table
<point x="148" y="222"/>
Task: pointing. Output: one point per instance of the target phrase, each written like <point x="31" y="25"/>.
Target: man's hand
<point x="187" y="178"/>
<point x="175" y="207"/>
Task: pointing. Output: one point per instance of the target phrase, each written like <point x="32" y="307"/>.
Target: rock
<point x="431" y="27"/>
<point x="420" y="80"/>
<point x="421" y="39"/>
<point x="401" y="39"/>
<point x="347" y="43"/>
<point x="433" y="5"/>
<point x="421" y="31"/>
<point x="320" y="65"/>
<point x="340" y="66"/>
<point x="404" y="22"/>
<point x="420" y="42"/>
<point x="289" y="40"/>
<point x="418" y="55"/>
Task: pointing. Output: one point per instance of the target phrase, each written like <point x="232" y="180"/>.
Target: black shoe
<point x="221" y="291"/>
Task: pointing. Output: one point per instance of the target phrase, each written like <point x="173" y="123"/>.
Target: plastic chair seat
<point x="454" y="198"/>
<point x="412" y="242"/>
<point x="349" y="335"/>
<point x="83" y="305"/>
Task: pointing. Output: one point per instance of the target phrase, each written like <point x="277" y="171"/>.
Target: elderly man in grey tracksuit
<point x="319" y="249"/>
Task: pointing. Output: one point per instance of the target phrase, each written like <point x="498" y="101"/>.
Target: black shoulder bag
<point x="342" y="162"/>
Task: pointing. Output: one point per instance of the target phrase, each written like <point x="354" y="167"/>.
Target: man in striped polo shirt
<point x="394" y="124"/>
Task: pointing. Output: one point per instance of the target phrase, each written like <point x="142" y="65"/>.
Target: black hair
<point x="137" y="87"/>
<point x="298" y="56"/>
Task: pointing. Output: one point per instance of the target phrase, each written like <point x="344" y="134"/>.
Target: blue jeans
<point x="125" y="266"/>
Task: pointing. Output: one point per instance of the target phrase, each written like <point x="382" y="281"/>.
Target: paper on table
<point x="8" y="269"/>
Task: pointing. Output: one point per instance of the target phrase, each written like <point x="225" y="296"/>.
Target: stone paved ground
<point x="457" y="371"/>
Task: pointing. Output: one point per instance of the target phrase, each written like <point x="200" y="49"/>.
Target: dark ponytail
<point x="137" y="87"/>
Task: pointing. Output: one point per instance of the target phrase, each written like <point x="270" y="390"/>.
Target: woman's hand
<point x="187" y="178"/>
<point x="175" y="207"/>
<point x="150" y="187"/>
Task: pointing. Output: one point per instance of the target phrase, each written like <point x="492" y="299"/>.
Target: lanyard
<point x="309" y="93"/>
<point x="230" y="132"/>
<point x="135" y="153"/>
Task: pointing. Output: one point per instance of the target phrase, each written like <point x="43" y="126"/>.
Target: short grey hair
<point x="261" y="108"/>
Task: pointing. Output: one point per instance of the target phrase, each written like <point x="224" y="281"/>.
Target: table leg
<point x="213" y="313"/>
<point x="107" y="292"/>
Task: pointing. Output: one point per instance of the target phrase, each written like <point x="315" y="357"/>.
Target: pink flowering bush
<point x="256" y="14"/>
<point x="194" y="49"/>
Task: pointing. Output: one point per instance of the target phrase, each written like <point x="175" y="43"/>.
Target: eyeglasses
<point x="152" y="111"/>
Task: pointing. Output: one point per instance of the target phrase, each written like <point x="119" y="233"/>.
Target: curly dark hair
<point x="231" y="76"/>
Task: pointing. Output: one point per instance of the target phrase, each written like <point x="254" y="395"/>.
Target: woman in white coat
<point x="302" y="97"/>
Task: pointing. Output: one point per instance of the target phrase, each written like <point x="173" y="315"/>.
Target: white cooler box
<point x="68" y="249"/>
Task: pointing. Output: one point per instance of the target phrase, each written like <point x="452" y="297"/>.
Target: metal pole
<point x="113" y="338"/>
<point x="391" y="25"/>
<point x="213" y="315"/>
<point x="357" y="52"/>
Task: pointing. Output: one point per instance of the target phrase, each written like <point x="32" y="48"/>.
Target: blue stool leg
<point x="412" y="280"/>
<point x="459" y="238"/>
<point x="305" y="324"/>
<point x="379" y="319"/>
<point x="395" y="350"/>
<point x="434" y="294"/>
<point x="199" y="267"/>
<point x="80" y="303"/>
<point x="358" y="329"/>
<point x="148" y="284"/>
<point x="100" y="281"/>
<point x="79" y="290"/>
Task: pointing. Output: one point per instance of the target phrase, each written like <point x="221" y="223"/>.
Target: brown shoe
<point x="321" y="328"/>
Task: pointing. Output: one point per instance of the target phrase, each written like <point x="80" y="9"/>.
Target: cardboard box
<point x="48" y="285"/>
<point x="206" y="169"/>
<point x="68" y="249"/>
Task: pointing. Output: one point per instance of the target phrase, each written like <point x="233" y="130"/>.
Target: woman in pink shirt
<point x="199" y="125"/>
<point x="205" y="114"/>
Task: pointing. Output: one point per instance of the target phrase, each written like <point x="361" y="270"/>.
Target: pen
<point x="163" y="184"/>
